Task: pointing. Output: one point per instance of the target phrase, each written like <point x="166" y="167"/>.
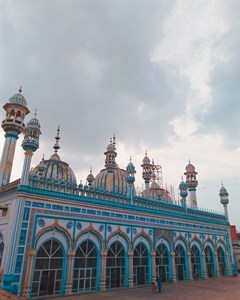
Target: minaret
<point x="30" y="144"/>
<point x="192" y="183"/>
<point x="183" y="187"/>
<point x="147" y="171"/>
<point x="111" y="154"/>
<point x="130" y="170"/>
<point x="224" y="200"/>
<point x="16" y="110"/>
<point x="90" y="178"/>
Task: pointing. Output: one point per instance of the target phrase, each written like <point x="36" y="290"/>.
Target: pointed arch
<point x="88" y="232"/>
<point x="163" y="259"/>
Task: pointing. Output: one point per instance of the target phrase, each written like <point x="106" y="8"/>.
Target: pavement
<point x="224" y="288"/>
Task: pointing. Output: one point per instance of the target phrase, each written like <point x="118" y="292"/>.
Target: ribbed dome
<point x="190" y="168"/>
<point x="55" y="170"/>
<point x="19" y="99"/>
<point x="113" y="180"/>
<point x="34" y="122"/>
<point x="146" y="160"/>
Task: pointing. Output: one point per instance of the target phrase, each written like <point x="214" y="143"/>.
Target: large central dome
<point x="112" y="178"/>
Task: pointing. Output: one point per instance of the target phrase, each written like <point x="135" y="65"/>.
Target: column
<point x="7" y="157"/>
<point x="26" y="167"/>
<point x="26" y="288"/>
<point x="103" y="276"/>
<point x="229" y="264"/>
<point x="189" y="265"/>
<point x="71" y="255"/>
<point x="173" y="268"/>
<point x="216" y="264"/>
<point x="205" y="274"/>
<point x="153" y="266"/>
<point x="130" y="279"/>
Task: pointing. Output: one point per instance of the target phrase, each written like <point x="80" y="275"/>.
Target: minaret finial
<point x="189" y="161"/>
<point x="221" y="183"/>
<point x="145" y="152"/>
<point x="56" y="146"/>
<point x="130" y="159"/>
<point x="20" y="90"/>
<point x="114" y="139"/>
<point x="35" y="114"/>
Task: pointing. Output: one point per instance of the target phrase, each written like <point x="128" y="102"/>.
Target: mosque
<point x="60" y="237"/>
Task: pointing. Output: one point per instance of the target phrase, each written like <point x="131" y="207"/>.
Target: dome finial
<point x="130" y="158"/>
<point x="35" y="113"/>
<point x="20" y="90"/>
<point x="56" y="146"/>
<point x="189" y="161"/>
<point x="114" y="139"/>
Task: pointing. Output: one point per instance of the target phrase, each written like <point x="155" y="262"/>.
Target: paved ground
<point x="219" y="289"/>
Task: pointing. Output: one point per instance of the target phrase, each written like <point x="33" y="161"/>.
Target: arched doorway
<point x="85" y="267"/>
<point x="221" y="261"/>
<point x="48" y="269"/>
<point x="180" y="263"/>
<point x="140" y="265"/>
<point x="209" y="261"/>
<point x="162" y="262"/>
<point x="1" y="251"/>
<point x="195" y="262"/>
<point x="115" y="267"/>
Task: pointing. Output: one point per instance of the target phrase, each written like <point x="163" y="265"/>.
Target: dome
<point x="190" y="168"/>
<point x="55" y="169"/>
<point x="111" y="148"/>
<point x="34" y="122"/>
<point x="222" y="190"/>
<point x="183" y="185"/>
<point x="18" y="99"/>
<point x="146" y="160"/>
<point x="130" y="166"/>
<point x="112" y="180"/>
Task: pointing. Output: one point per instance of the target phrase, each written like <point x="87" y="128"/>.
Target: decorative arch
<point x="221" y="258"/>
<point x="181" y="261"/>
<point x="144" y="238"/>
<point x="209" y="242"/>
<point x="118" y="235"/>
<point x="49" y="265"/>
<point x="59" y="232"/>
<point x="95" y="235"/>
<point x="196" y="259"/>
<point x="163" y="259"/>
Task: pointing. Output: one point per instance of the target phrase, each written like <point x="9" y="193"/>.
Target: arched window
<point x="162" y="263"/>
<point x="1" y="251"/>
<point x="48" y="269"/>
<point x="85" y="267"/>
<point x="195" y="262"/>
<point x="209" y="261"/>
<point x="140" y="265"/>
<point x="115" y="268"/>
<point x="221" y="261"/>
<point x="180" y="263"/>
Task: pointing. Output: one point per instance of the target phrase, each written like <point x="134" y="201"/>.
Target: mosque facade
<point x="60" y="237"/>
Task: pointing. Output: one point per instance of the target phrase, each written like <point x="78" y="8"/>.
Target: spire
<point x="20" y="90"/>
<point x="56" y="146"/>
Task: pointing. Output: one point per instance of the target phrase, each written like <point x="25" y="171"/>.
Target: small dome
<point x="34" y="122"/>
<point x="222" y="190"/>
<point x="190" y="168"/>
<point x="18" y="99"/>
<point x="56" y="170"/>
<point x="111" y="148"/>
<point x="183" y="185"/>
<point x="130" y="166"/>
<point x="146" y="160"/>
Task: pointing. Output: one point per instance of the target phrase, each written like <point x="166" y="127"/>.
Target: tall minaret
<point x="147" y="171"/>
<point x="192" y="183"/>
<point x="16" y="110"/>
<point x="30" y="144"/>
<point x="224" y="200"/>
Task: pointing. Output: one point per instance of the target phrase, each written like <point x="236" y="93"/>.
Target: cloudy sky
<point x="162" y="75"/>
